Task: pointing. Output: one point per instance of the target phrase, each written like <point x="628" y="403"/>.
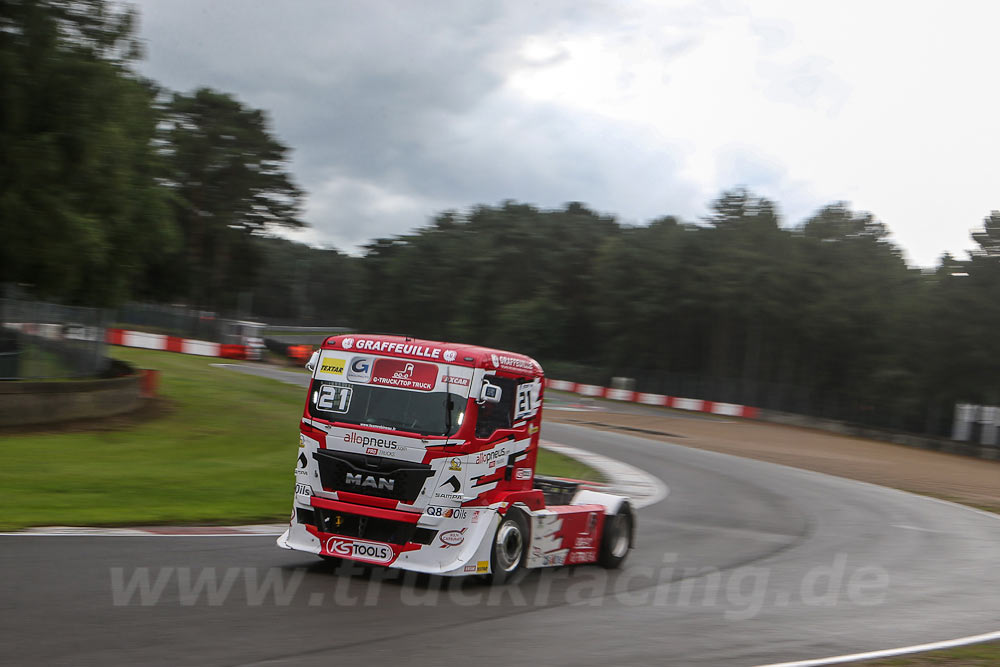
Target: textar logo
<point x="369" y="481"/>
<point x="332" y="366"/>
<point x="347" y="343"/>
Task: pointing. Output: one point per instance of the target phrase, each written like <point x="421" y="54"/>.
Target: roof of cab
<point x="438" y="351"/>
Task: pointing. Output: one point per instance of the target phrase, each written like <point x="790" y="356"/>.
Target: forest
<point x="114" y="189"/>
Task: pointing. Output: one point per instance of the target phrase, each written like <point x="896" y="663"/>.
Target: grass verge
<point x="976" y="655"/>
<point x="224" y="453"/>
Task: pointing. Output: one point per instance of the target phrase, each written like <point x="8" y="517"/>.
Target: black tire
<point x="617" y="539"/>
<point x="510" y="547"/>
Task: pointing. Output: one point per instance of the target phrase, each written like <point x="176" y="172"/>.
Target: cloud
<point x="396" y="111"/>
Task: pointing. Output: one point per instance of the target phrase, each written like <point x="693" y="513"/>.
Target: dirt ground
<point x="952" y="477"/>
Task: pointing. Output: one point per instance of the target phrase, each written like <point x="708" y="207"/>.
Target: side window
<point x="494" y="416"/>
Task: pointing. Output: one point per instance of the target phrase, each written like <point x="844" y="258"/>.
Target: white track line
<point x="642" y="488"/>
<point x="890" y="652"/>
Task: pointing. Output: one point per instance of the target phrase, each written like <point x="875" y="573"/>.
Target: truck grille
<point x="371" y="475"/>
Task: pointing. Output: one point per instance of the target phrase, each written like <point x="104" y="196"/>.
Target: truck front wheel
<point x="510" y="544"/>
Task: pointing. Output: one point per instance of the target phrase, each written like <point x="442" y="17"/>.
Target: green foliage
<point x="229" y="180"/>
<point x="826" y="313"/>
<point x="80" y="206"/>
<point x="107" y="191"/>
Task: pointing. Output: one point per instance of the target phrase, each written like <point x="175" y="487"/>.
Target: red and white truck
<point x="420" y="455"/>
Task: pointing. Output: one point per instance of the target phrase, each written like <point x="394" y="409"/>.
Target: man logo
<point x="369" y="482"/>
<point x="449" y="355"/>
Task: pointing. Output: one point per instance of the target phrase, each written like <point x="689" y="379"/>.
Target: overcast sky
<point x="396" y="111"/>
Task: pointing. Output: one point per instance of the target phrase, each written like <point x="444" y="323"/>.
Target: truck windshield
<point x="437" y="413"/>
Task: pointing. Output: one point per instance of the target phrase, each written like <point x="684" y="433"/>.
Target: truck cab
<point x="421" y="455"/>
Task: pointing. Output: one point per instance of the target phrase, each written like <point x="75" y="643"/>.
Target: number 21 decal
<point x="333" y="398"/>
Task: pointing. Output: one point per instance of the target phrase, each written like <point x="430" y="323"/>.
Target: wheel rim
<point x="510" y="545"/>
<point x="619" y="540"/>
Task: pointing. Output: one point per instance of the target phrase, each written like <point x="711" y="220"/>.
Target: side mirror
<point x="490" y="393"/>
<point x="311" y="364"/>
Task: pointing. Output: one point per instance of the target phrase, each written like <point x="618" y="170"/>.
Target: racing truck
<point x="420" y="455"/>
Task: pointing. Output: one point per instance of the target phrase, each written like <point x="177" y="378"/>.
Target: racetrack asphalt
<point x="744" y="563"/>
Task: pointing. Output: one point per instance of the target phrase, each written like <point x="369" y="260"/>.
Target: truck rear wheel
<point x="617" y="538"/>
<point x="510" y="544"/>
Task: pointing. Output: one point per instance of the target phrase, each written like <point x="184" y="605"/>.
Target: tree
<point x="81" y="208"/>
<point x="230" y="180"/>
<point x="989" y="238"/>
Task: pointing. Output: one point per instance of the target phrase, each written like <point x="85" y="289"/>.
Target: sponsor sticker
<point x="404" y="374"/>
<point x="449" y="355"/>
<point x="554" y="559"/>
<point x="347" y="343"/>
<point x="447" y="512"/>
<point x="331" y="366"/>
<point x="522" y="473"/>
<point x="407" y="349"/>
<point x="454" y="380"/>
<point x="453" y="483"/>
<point x="491" y="456"/>
<point x="455" y="464"/>
<point x="584" y="543"/>
<point x="303" y="489"/>
<point x="482" y="566"/>
<point x="372" y="552"/>
<point x="368" y="441"/>
<point x="508" y="363"/>
<point x="469" y="568"/>
<point x="583" y="557"/>
<point x="360" y="370"/>
<point x="452" y="538"/>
